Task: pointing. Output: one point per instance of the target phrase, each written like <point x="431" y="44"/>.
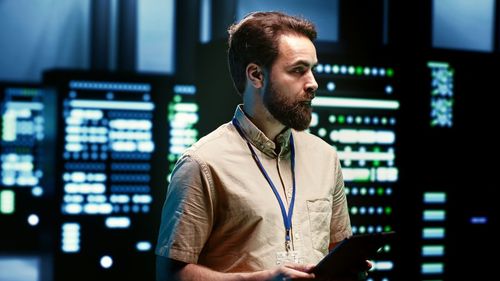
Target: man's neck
<point x="263" y="120"/>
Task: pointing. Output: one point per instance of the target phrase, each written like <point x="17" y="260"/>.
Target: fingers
<point x="294" y="271"/>
<point x="365" y="265"/>
<point x="300" y="267"/>
<point x="369" y="264"/>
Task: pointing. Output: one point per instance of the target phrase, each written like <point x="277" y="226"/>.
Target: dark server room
<point x="101" y="99"/>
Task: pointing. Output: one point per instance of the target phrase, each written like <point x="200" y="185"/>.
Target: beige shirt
<point x="221" y="212"/>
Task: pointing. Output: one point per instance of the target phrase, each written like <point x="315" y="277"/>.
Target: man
<point x="257" y="198"/>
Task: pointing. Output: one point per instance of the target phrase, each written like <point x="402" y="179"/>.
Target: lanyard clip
<point x="288" y="246"/>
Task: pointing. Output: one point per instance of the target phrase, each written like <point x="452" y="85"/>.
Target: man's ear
<point x="255" y="75"/>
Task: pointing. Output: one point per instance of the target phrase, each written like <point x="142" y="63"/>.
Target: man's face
<point x="291" y="84"/>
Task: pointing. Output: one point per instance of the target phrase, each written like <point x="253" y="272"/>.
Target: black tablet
<point x="351" y="253"/>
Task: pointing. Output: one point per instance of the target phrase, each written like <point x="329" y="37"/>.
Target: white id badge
<point x="288" y="257"/>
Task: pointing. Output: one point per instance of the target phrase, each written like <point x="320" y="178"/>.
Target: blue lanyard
<point x="287" y="219"/>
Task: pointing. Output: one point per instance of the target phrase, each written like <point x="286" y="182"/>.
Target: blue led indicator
<point x="433" y="233"/>
<point x="106" y="262"/>
<point x="37" y="191"/>
<point x="185" y="89"/>
<point x="109" y="86"/>
<point x="71" y="237"/>
<point x="328" y="69"/>
<point x="343" y="69"/>
<point x="433" y="251"/>
<point x="432" y="268"/>
<point x="479" y="220"/>
<point x="33" y="220"/>
<point x="434" y="215"/>
<point x="434" y="197"/>
<point x="143" y="246"/>
<point x="330" y="86"/>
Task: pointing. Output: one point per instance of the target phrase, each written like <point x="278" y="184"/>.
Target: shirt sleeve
<point x="340" y="224"/>
<point x="188" y="212"/>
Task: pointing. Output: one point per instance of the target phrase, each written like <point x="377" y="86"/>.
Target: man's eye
<point x="298" y="70"/>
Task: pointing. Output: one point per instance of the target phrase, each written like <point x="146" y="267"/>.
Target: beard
<point x="292" y="113"/>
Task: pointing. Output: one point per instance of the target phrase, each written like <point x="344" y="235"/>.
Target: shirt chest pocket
<point x="320" y="213"/>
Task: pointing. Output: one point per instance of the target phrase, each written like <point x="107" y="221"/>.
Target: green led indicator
<point x="390" y="72"/>
<point x="387" y="228"/>
<point x="380" y="191"/>
<point x="435" y="64"/>
<point x="387" y="248"/>
<point x="335" y="68"/>
<point x="376" y="163"/>
<point x="388" y="210"/>
<point x="177" y="98"/>
<point x="359" y="70"/>
<point x="30" y="92"/>
<point x="341" y="119"/>
<point x="7" y="202"/>
<point x="362" y="178"/>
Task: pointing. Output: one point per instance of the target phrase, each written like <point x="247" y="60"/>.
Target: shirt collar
<point x="258" y="139"/>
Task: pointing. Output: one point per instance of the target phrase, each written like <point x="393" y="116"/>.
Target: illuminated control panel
<point x="433" y="237"/>
<point x="22" y="133"/>
<point x="23" y="193"/>
<point x="182" y="117"/>
<point x="117" y="135"/>
<point x="108" y="145"/>
<point x="442" y="94"/>
<point x="356" y="111"/>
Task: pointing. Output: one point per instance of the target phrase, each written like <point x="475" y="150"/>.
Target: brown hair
<point x="255" y="40"/>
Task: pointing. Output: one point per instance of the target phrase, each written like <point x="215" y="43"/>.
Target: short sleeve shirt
<point x="221" y="212"/>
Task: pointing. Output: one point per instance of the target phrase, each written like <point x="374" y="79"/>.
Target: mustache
<point x="311" y="93"/>
<point x="300" y="105"/>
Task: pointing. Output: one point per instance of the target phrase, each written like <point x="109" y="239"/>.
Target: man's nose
<point x="311" y="85"/>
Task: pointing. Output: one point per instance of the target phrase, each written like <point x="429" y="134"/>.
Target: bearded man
<point x="259" y="197"/>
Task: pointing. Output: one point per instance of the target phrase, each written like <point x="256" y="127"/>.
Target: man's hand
<point x="169" y="269"/>
<point x="292" y="271"/>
